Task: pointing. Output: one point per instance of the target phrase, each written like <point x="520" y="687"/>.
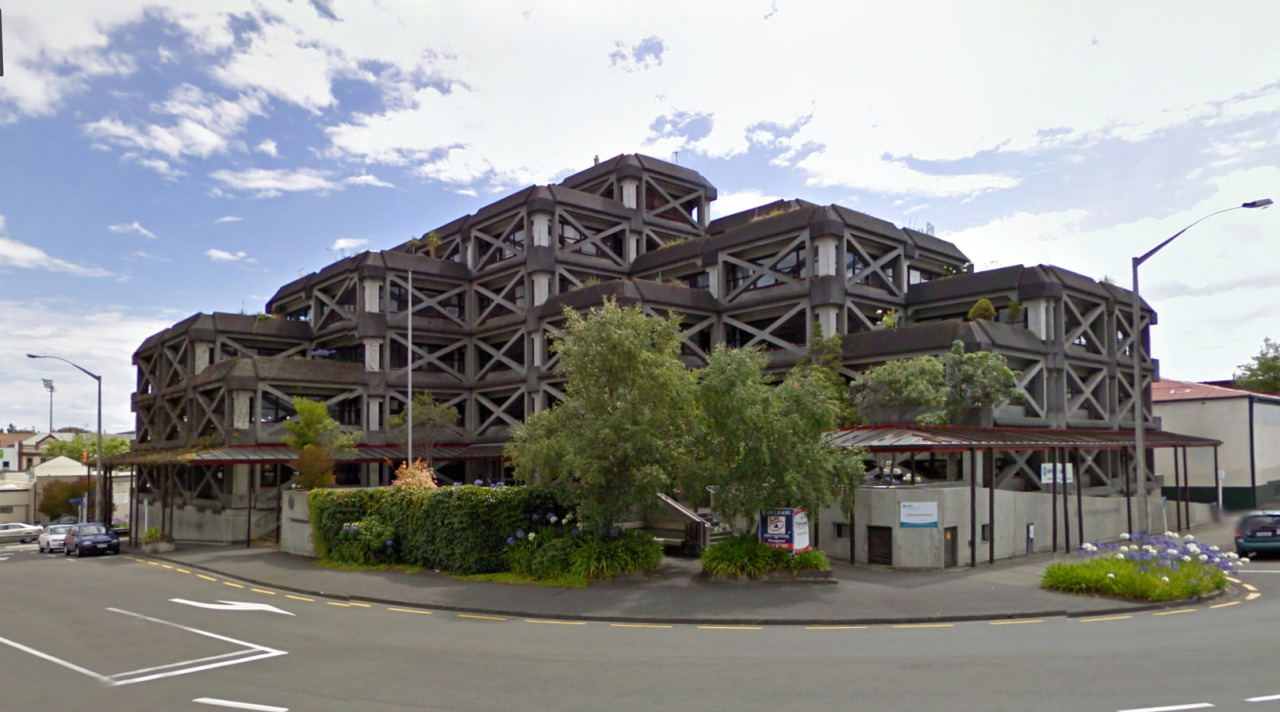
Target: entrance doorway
<point x="950" y="549"/>
<point x="880" y="545"/>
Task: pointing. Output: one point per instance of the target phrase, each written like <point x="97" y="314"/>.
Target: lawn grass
<point x="345" y="566"/>
<point x="509" y="577"/>
<point x="1134" y="580"/>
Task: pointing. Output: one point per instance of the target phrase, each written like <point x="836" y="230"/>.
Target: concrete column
<point x="713" y="279"/>
<point x="541" y="287"/>
<point x="536" y="342"/>
<point x="370" y="293"/>
<point x="1038" y="320"/>
<point x="630" y="193"/>
<point x="828" y="316"/>
<point x="373" y="417"/>
<point x="828" y="251"/>
<point x="203" y="355"/>
<point x="372" y="355"/>
<point x="238" y="482"/>
<point x="541" y="229"/>
<point x="241" y="415"/>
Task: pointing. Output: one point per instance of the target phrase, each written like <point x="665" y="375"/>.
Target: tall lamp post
<point x="102" y="493"/>
<point x="48" y="386"/>
<point x="1139" y="409"/>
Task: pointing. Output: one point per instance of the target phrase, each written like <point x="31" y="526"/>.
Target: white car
<point x="17" y="531"/>
<point x="51" y="539"/>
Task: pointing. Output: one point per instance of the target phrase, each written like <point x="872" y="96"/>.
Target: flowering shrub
<point x="1145" y="566"/>
<point x="414" y="476"/>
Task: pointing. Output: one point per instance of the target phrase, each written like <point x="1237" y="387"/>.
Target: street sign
<point x="76" y="500"/>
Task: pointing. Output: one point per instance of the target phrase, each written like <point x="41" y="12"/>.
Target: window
<point x="275" y="410"/>
<point x="298" y="314"/>
<point x="919" y="276"/>
<point x="697" y="280"/>
<point x="346" y="412"/>
<point x="398" y="298"/>
<point x="853" y="264"/>
<point x="844" y="530"/>
<point x="269" y="476"/>
<point x="350" y="354"/>
<point x="793" y="265"/>
<point x="986" y="532"/>
<point x="6" y="510"/>
<point x="736" y="276"/>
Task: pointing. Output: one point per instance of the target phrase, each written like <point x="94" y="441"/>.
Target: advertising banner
<point x="785" y="528"/>
<point x="917" y="514"/>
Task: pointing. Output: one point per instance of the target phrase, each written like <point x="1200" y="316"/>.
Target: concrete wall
<point x="295" y="524"/>
<point x="1105" y="519"/>
<point x="1266" y="441"/>
<point x="19" y="506"/>
<point x="206" y="524"/>
<point x="1225" y="419"/>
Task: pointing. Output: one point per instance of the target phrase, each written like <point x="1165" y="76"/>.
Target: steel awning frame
<point x="921" y="438"/>
<point x="269" y="454"/>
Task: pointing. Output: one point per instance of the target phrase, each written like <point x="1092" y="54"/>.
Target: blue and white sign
<point x="1057" y="473"/>
<point x="918" y="514"/>
<point x="785" y="528"/>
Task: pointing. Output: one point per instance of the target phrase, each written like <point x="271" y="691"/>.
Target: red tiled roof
<point x="1166" y="390"/>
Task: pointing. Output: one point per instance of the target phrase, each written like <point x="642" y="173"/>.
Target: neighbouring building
<point x="1247" y="466"/>
<point x="483" y="294"/>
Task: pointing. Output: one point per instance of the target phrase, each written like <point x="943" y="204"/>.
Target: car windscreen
<point x="59" y="529"/>
<point x="92" y="529"/>
<point x="1248" y="525"/>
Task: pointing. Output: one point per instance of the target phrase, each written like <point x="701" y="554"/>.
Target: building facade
<point x="484" y="294"/>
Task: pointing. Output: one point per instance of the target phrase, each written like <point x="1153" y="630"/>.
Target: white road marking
<point x="232" y="606"/>
<point x="239" y="705"/>
<point x="1268" y="698"/>
<point x="250" y="653"/>
<point x="1172" y="708"/>
<point x="4" y="558"/>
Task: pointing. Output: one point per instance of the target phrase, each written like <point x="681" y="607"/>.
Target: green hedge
<point x="462" y="530"/>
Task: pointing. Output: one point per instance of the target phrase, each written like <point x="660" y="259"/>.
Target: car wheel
<point x="66" y="551"/>
<point x="79" y="552"/>
<point x="41" y="548"/>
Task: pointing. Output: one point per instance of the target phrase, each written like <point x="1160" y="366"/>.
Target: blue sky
<point x="159" y="159"/>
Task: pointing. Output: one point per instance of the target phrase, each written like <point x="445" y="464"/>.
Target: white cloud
<point x="147" y="257"/>
<point x="133" y="228"/>
<point x="269" y="183"/>
<point x="23" y="256"/>
<point x="217" y="255"/>
<point x="347" y="243"/>
<point x="730" y="203"/>
<point x="100" y="338"/>
<point x="268" y="147"/>
<point x="367" y="179"/>
<point x="227" y="219"/>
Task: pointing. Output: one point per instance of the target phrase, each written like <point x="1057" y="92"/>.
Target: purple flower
<point x="519" y="533"/>
<point x="389" y="542"/>
<point x="613" y="531"/>
<point x="511" y="541"/>
<point x="573" y="532"/>
<point x="535" y="517"/>
<point x="477" y="483"/>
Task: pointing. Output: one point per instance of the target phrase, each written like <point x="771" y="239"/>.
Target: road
<point x="106" y="633"/>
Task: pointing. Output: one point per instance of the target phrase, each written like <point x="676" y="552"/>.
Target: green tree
<point x="763" y="446"/>
<point x="318" y="439"/>
<point x="975" y="381"/>
<point x="982" y="309"/>
<point x="624" y="430"/>
<point x="1262" y="374"/>
<point x="430" y="417"/>
<point x="825" y="357"/>
<point x="895" y="391"/>
<point x="56" y="496"/>
<point x="85" y="443"/>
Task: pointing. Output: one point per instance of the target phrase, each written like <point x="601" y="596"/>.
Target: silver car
<point x="51" y="539"/>
<point x="17" y="531"/>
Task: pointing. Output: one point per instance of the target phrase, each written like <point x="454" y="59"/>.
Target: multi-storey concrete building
<point x="485" y="292"/>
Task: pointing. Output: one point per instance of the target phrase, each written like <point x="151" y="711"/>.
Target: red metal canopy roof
<point x="921" y="438"/>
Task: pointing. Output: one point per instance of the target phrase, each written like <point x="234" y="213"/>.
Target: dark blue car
<point x="90" y="538"/>
<point x="1258" y="532"/>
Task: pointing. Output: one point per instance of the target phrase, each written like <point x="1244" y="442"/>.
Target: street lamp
<point x="1139" y="414"/>
<point x="48" y="386"/>
<point x="102" y="484"/>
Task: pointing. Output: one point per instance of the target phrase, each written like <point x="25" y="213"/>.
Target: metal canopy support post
<point x="1128" y="490"/>
<point x="1051" y="456"/>
<point x="1217" y="481"/>
<point x="1079" y="497"/>
<point x="1066" y="501"/>
<point x="973" y="507"/>
<point x="991" y="507"/>
<point x="1177" y="492"/>
<point x="248" y="508"/>
<point x="1186" y="485"/>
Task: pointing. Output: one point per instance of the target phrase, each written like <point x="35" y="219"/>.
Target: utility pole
<point x="48" y="386"/>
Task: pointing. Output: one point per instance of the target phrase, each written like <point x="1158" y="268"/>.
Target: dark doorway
<point x="880" y="545"/>
<point x="950" y="550"/>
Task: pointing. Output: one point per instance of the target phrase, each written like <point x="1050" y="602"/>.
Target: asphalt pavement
<point x="677" y="594"/>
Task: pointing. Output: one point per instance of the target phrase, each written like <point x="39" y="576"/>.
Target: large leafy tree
<point x="56" y="496"/>
<point x="824" y="358"/>
<point x="936" y="391"/>
<point x="624" y="430"/>
<point x="975" y="381"/>
<point x="1262" y="374"/>
<point x="87" y="445"/>
<point x="430" y="418"/>
<point x="762" y="445"/>
<point x="319" y="440"/>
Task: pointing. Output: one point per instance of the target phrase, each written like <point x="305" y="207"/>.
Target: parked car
<point x="90" y="538"/>
<point x="17" y="531"/>
<point x="53" y="537"/>
<point x="1258" y="532"/>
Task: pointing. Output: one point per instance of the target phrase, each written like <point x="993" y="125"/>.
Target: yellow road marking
<point x="1233" y="580"/>
<point x="258" y="590"/>
<point x="1252" y="596"/>
<point x="638" y="625"/>
<point x="834" y="627"/>
<point x="1224" y="605"/>
<point x="535" y="620"/>
<point x="206" y="578"/>
<point x="927" y="625"/>
<point x="299" y="598"/>
<point x="235" y="585"/>
<point x="335" y="603"/>
<point x="1104" y="618"/>
<point x="153" y="563"/>
<point x="1018" y="621"/>
<point x="481" y="618"/>
<point x="165" y="566"/>
<point x="410" y="610"/>
<point x="1248" y="587"/>
<point x="1174" y="613"/>
<point x="359" y="605"/>
<point x="731" y="627"/>
<point x="183" y="571"/>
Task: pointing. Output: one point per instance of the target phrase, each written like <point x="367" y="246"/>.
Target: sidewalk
<point x="863" y="596"/>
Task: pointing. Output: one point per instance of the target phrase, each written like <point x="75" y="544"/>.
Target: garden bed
<point x="1156" y="568"/>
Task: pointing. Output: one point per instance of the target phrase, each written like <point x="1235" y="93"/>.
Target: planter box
<point x="780" y="576"/>
<point x="158" y="547"/>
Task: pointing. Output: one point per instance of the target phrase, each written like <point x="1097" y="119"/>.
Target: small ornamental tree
<point x="897" y="390"/>
<point x="430" y="418"/>
<point x="56" y="496"/>
<point x="975" y="381"/>
<point x="414" y="476"/>
<point x="1262" y="374"/>
<point x="982" y="309"/>
<point x="824" y="358"/>
<point x="318" y="439"/>
<point x="624" y="430"/>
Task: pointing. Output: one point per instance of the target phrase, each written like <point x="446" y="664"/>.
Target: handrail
<point x="703" y="524"/>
